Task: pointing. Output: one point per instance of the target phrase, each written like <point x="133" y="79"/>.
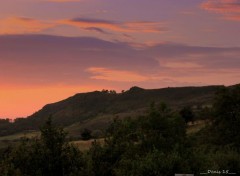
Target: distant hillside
<point x="90" y="106"/>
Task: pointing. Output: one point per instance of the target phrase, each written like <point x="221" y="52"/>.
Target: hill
<point x="96" y="109"/>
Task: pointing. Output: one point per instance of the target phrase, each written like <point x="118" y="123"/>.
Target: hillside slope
<point x="89" y="106"/>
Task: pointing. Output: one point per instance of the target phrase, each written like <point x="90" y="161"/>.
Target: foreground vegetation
<point x="151" y="145"/>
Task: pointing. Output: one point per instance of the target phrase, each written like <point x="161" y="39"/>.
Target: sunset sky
<point x="53" y="49"/>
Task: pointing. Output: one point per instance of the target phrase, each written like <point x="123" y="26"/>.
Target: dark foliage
<point x="187" y="114"/>
<point x="227" y="113"/>
<point x="48" y="156"/>
<point x="155" y="144"/>
<point x="86" y="134"/>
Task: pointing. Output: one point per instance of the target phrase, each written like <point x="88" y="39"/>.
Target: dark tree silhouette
<point x="50" y="155"/>
<point x="187" y="114"/>
<point x="86" y="134"/>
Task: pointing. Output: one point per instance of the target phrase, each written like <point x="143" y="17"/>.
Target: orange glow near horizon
<point x="23" y="102"/>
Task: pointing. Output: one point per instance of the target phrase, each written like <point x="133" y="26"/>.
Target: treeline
<point x="151" y="145"/>
<point x="8" y="127"/>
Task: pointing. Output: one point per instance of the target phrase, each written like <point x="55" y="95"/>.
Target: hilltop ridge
<point x="108" y="104"/>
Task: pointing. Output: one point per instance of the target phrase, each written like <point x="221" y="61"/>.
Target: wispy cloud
<point x="116" y="75"/>
<point x="64" y="1"/>
<point x="21" y="25"/>
<point x="127" y="27"/>
<point x="230" y="9"/>
<point x="181" y="65"/>
<point x="96" y="30"/>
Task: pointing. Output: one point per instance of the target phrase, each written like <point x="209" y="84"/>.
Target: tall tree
<point x="227" y="115"/>
<point x="50" y="155"/>
<point x="187" y="114"/>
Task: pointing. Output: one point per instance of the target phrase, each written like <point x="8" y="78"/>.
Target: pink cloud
<point x="230" y="9"/>
<point x="181" y="65"/>
<point x="22" y="25"/>
<point x="126" y="27"/>
<point x="64" y="0"/>
<point x="116" y="75"/>
<point x="19" y="25"/>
